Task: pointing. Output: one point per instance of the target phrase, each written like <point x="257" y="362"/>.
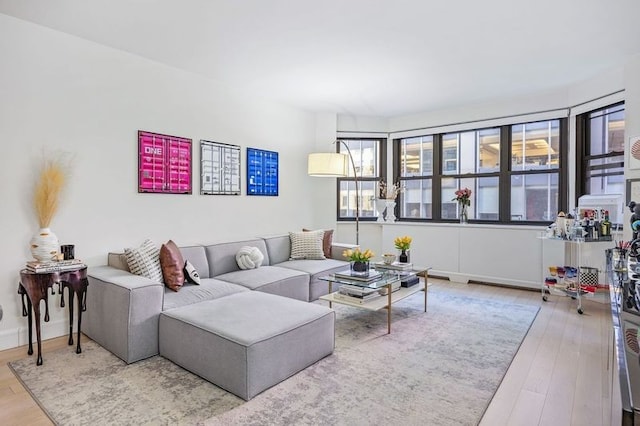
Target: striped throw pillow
<point x="145" y="261"/>
<point x="306" y="245"/>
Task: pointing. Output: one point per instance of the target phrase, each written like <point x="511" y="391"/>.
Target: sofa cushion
<point x="317" y="269"/>
<point x="172" y="265"/>
<point x="327" y="241"/>
<point x="209" y="289"/>
<point x="278" y="247"/>
<point x="145" y="261"/>
<point x="118" y="260"/>
<point x="306" y="245"/>
<point x="272" y="279"/>
<point x="197" y="256"/>
<point x="222" y="256"/>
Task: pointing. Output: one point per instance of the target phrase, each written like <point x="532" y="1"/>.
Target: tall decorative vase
<point x="44" y="245"/>
<point x="391" y="212"/>
<point x="464" y="213"/>
<point x="404" y="256"/>
<point x="380" y="206"/>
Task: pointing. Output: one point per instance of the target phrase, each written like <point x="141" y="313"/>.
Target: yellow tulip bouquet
<point x="357" y="255"/>
<point x="403" y="243"/>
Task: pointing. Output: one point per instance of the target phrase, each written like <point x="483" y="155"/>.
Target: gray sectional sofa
<point x="236" y="328"/>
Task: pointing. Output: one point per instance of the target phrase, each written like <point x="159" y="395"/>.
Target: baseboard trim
<point x="467" y="278"/>
<point x="19" y="336"/>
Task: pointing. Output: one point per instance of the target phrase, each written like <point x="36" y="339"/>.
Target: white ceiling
<point x="362" y="57"/>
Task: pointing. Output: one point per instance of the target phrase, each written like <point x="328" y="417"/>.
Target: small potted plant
<point x="359" y="260"/>
<point x="403" y="244"/>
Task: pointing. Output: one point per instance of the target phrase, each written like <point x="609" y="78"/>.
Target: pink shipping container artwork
<point x="164" y="163"/>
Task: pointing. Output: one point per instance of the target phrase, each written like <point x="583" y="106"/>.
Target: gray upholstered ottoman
<point x="247" y="342"/>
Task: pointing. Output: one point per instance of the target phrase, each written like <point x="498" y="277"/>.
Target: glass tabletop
<point x="377" y="278"/>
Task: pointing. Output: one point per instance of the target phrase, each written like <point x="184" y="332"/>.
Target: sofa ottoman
<point x="247" y="342"/>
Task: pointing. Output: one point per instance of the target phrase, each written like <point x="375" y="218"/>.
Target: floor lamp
<point x="335" y="164"/>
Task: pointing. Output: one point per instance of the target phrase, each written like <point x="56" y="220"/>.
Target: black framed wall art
<point x="164" y="163"/>
<point x="219" y="168"/>
<point x="262" y="172"/>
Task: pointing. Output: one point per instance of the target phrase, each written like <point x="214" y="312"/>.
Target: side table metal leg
<point x="426" y="282"/>
<point x="36" y="309"/>
<point x="30" y="319"/>
<point x="330" y="291"/>
<point x="81" y="307"/>
<point x="71" y="296"/>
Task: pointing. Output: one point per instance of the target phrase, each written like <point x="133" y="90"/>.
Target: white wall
<point x="59" y="92"/>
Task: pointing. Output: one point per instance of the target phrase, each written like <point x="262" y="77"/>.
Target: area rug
<point x="436" y="368"/>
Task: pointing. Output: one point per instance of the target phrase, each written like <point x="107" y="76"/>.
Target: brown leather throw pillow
<point x="172" y="265"/>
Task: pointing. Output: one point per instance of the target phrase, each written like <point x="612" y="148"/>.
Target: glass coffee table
<point x="387" y="285"/>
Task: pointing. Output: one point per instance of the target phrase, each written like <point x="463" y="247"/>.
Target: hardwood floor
<point x="560" y="376"/>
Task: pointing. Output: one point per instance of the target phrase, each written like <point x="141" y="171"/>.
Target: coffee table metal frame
<point x="389" y="277"/>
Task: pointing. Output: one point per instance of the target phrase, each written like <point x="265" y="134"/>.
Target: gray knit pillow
<point x="306" y="245"/>
<point x="145" y="261"/>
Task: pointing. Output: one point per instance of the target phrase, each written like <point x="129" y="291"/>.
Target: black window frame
<point x="583" y="151"/>
<point x="382" y="173"/>
<point x="504" y="175"/>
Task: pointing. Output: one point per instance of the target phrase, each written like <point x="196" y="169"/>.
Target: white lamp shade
<point x="327" y="164"/>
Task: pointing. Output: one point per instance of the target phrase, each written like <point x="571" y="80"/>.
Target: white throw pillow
<point x="145" y="261"/>
<point x="306" y="245"/>
<point x="249" y="257"/>
<point x="190" y="273"/>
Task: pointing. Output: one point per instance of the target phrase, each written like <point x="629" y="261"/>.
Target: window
<point x="369" y="164"/>
<point x="600" y="151"/>
<point x="513" y="171"/>
<point x="535" y="171"/>
<point x="471" y="160"/>
<point x="416" y="173"/>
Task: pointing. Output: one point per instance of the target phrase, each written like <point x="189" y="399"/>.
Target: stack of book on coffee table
<point x="405" y="272"/>
<point x="356" y="294"/>
<point x="40" y="267"/>
<point x="395" y="266"/>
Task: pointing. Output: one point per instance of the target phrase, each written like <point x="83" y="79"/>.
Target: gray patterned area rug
<point x="436" y="368"/>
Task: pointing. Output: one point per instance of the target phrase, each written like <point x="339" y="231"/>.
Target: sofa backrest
<point x="222" y="256"/>
<point x="194" y="254"/>
<point x="197" y="256"/>
<point x="279" y="248"/>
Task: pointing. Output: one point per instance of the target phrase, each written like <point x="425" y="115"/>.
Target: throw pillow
<point x="172" y="263"/>
<point x="190" y="273"/>
<point x="145" y="261"/>
<point x="249" y="257"/>
<point x="306" y="245"/>
<point x="327" y="241"/>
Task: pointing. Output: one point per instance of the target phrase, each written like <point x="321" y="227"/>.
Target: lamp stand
<point x="355" y="180"/>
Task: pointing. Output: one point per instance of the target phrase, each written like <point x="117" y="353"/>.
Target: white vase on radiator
<point x="391" y="213"/>
<point x="381" y="204"/>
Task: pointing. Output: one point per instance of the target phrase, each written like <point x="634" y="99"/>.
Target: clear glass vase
<point x="464" y="213"/>
<point x="359" y="268"/>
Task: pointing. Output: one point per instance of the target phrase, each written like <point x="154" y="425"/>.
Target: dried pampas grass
<point x="48" y="189"/>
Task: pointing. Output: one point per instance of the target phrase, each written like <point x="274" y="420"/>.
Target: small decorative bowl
<point x="388" y="258"/>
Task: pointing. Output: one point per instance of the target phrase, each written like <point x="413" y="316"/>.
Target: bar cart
<point x="575" y="281"/>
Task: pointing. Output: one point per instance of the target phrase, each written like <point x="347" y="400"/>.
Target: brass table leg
<point x="389" y="308"/>
<point x="426" y="281"/>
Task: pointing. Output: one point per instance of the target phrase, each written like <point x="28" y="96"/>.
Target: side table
<point x="36" y="286"/>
